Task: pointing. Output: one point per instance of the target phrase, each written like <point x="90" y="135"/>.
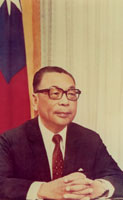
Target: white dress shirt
<point x="47" y="136"/>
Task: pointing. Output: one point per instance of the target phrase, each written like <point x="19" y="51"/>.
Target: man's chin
<point x="63" y="121"/>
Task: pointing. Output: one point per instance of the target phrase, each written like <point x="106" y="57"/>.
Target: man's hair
<point x="39" y="74"/>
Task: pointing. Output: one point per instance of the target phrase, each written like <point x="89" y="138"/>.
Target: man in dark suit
<point x="29" y="160"/>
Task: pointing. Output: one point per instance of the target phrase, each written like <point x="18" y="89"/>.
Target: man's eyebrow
<point x="71" y="87"/>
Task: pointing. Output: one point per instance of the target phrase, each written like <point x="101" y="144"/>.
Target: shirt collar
<point x="47" y="134"/>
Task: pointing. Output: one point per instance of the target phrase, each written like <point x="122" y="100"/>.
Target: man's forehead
<point x="58" y="79"/>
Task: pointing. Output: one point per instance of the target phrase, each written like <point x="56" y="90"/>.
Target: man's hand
<point x="89" y="188"/>
<point x="72" y="186"/>
<point x="98" y="189"/>
<point x="78" y="186"/>
<point x="52" y="190"/>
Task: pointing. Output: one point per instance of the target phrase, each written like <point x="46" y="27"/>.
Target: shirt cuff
<point x="33" y="190"/>
<point x="108" y="186"/>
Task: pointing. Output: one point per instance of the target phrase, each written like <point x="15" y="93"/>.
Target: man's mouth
<point x="63" y="114"/>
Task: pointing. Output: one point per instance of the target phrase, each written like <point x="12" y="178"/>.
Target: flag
<point x="14" y="95"/>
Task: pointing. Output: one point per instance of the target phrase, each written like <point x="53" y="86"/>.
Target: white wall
<point x="86" y="38"/>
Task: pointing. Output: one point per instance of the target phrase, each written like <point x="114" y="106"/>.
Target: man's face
<point x="55" y="114"/>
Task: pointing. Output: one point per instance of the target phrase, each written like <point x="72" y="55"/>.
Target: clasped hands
<point x="73" y="186"/>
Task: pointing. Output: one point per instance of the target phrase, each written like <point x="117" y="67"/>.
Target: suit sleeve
<point x="11" y="187"/>
<point x="105" y="167"/>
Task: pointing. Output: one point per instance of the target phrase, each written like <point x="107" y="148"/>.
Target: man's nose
<point x="64" y="100"/>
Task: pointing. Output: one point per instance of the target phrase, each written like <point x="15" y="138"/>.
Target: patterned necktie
<point x="57" y="162"/>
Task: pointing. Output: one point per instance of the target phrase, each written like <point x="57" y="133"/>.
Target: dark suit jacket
<point x="23" y="159"/>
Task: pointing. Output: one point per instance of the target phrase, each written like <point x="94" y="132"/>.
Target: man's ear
<point x="35" y="101"/>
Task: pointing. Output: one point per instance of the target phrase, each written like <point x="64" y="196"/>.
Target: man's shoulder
<point x="80" y="128"/>
<point x="22" y="129"/>
<point x="82" y="132"/>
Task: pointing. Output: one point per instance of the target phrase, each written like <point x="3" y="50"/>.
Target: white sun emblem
<point x="16" y="2"/>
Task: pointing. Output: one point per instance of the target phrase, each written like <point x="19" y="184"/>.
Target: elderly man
<point x="50" y="157"/>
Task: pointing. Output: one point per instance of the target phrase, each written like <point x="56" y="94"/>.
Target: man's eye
<point x="55" y="93"/>
<point x="72" y="93"/>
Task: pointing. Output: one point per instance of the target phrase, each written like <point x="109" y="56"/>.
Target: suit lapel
<point x="39" y="155"/>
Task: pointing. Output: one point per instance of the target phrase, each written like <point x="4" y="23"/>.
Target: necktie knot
<point x="57" y="138"/>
